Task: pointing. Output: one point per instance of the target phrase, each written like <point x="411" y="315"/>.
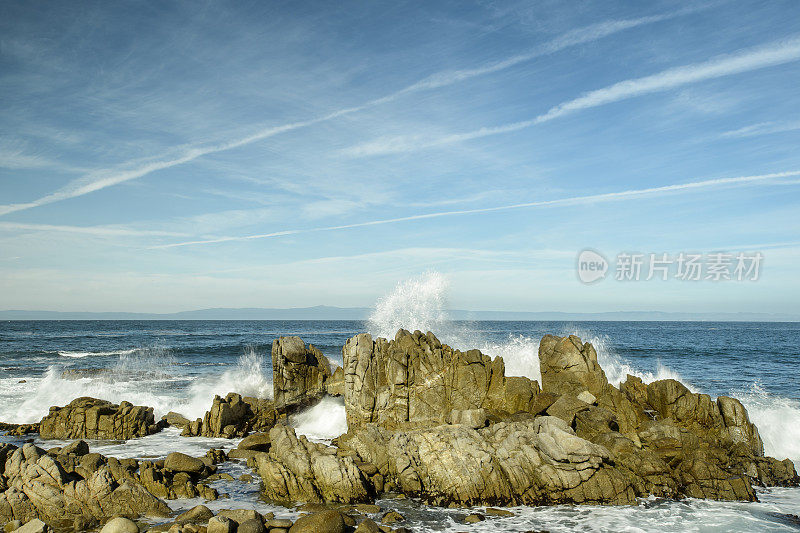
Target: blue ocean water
<point x="181" y="365"/>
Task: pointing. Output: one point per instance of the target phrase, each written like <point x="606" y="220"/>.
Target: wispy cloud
<point x="100" y="231"/>
<point x="102" y="179"/>
<point x="571" y="201"/>
<point x="779" y="53"/>
<point x="763" y="128"/>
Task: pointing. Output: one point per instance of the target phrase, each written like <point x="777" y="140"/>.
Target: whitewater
<point x="181" y="366"/>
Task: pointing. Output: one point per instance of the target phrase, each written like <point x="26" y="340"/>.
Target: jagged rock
<point x="416" y="381"/>
<point x="79" y="448"/>
<point x="566" y="407"/>
<point x="88" y="491"/>
<point x="329" y="521"/>
<point x="473" y="418"/>
<point x="334" y="385"/>
<point x="19" y="430"/>
<point x="299" y="470"/>
<point x="90" y="418"/>
<point x="570" y="366"/>
<point x="233" y="416"/>
<point x="120" y="525"/>
<point x="12" y="526"/>
<point x="298" y="373"/>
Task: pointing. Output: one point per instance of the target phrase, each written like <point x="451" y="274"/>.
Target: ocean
<point x="180" y="366"/>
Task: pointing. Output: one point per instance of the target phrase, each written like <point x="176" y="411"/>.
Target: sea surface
<point x="181" y="365"/>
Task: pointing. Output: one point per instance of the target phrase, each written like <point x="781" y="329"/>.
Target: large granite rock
<point x="39" y="486"/>
<point x="299" y="373"/>
<point x="570" y="366"/>
<point x="416" y="381"/>
<point x="90" y="418"/>
<point x="298" y="470"/>
<point x="233" y="416"/>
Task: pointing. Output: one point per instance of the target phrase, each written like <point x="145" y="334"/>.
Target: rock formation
<point x="90" y="418"/>
<point x="298" y="470"/>
<point x="449" y="427"/>
<point x="88" y="490"/>
<point x="415" y="380"/>
<point x="298" y="374"/>
<point x="233" y="416"/>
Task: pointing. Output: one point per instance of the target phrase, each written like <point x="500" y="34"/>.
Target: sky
<point x="159" y="157"/>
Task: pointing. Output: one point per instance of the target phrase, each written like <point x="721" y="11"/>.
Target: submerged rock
<point x="90" y="418"/>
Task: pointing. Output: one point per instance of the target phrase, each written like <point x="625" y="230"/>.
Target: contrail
<point x="755" y="58"/>
<point x="96" y="181"/>
<point x="574" y="200"/>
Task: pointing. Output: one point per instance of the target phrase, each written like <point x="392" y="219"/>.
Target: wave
<point x="146" y="376"/>
<point x="325" y="421"/>
<point x="80" y="355"/>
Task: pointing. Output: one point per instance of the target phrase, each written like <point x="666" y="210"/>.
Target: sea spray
<point x="777" y="420"/>
<point x="250" y="377"/>
<point x="416" y="303"/>
<point x="326" y="420"/>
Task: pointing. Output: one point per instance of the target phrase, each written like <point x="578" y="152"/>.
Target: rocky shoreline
<point x="424" y="420"/>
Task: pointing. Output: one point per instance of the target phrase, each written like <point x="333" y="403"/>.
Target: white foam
<point x="143" y="377"/>
<point x="777" y="420"/>
<point x="415" y="304"/>
<point x="325" y="421"/>
<point x="81" y="355"/>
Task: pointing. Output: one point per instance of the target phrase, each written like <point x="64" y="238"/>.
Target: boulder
<point x="252" y="525"/>
<point x="120" y="525"/>
<point x="79" y="448"/>
<point x="299" y="374"/>
<point x="329" y="521"/>
<point x="33" y="526"/>
<point x="416" y="381"/>
<point x="180" y="462"/>
<point x="199" y="514"/>
<point x="298" y="470"/>
<point x="570" y="366"/>
<point x="90" y="418"/>
<point x="177" y="420"/>
<point x="257" y="441"/>
<point x="220" y="524"/>
<point x="40" y="487"/>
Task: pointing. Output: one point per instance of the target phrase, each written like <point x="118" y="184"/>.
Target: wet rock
<point x="503" y="513"/>
<point x="329" y="521"/>
<point x="392" y="517"/>
<point x="177" y="420"/>
<point x="474" y="518"/>
<point x="90" y="418"/>
<point x="120" y="525"/>
<point x="299" y="374"/>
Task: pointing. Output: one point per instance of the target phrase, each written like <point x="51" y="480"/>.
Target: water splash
<point x="777" y="420"/>
<point x="417" y="303"/>
<point x="323" y="422"/>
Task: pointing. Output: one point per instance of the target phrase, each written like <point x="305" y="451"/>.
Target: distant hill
<point x="324" y="312"/>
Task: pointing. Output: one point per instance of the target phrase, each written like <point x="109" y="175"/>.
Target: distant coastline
<point x="324" y="312"/>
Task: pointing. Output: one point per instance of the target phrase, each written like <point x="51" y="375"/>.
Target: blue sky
<point x="172" y="156"/>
